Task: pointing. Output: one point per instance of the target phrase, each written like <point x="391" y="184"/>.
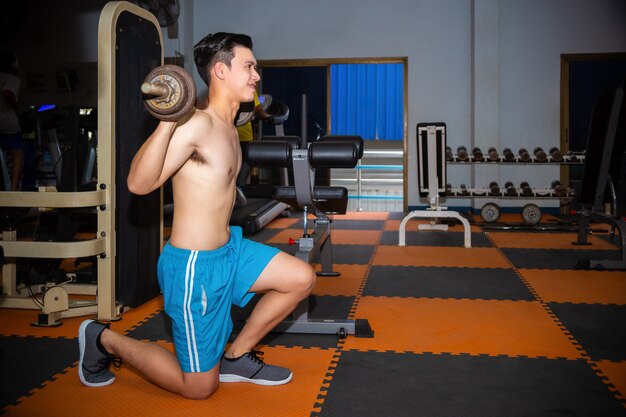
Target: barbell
<point x="169" y="93"/>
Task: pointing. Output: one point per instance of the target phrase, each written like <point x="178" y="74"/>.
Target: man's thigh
<point x="282" y="274"/>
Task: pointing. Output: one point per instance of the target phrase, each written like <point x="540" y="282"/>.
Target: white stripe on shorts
<point x="189" y="328"/>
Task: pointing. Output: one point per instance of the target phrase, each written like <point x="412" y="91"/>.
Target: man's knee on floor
<point x="199" y="389"/>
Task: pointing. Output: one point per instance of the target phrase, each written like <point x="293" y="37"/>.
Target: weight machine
<point x="319" y="201"/>
<point x="129" y="44"/>
<point x="605" y="152"/>
<point x="431" y="145"/>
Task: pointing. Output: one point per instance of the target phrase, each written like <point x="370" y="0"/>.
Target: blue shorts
<point x="11" y="141"/>
<point x="198" y="290"/>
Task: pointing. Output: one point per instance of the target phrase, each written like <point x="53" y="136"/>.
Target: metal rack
<point x="490" y="211"/>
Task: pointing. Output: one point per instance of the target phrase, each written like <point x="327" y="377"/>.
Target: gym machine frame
<point x="605" y="150"/>
<point x="56" y="302"/>
<point x="333" y="153"/>
<point x="431" y="143"/>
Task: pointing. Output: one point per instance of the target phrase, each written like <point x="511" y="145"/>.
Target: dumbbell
<point x="477" y="154"/>
<point x="559" y="189"/>
<point x="555" y="154"/>
<point x="461" y="153"/>
<point x="526" y="190"/>
<point x="511" y="191"/>
<point x="494" y="189"/>
<point x="540" y="155"/>
<point x="493" y="154"/>
<point x="572" y="156"/>
<point x="449" y="155"/>
<point x="509" y="156"/>
<point x="169" y="92"/>
<point x="524" y="156"/>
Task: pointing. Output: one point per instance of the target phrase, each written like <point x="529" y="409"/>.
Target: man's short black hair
<point x="217" y="47"/>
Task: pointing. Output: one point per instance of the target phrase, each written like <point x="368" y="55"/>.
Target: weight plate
<point x="490" y="212"/>
<point x="531" y="214"/>
<point x="244" y="117"/>
<point x="181" y="96"/>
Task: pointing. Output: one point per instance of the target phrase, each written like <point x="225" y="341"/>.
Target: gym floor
<point x="506" y="328"/>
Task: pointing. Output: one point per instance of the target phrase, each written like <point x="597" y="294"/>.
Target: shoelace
<point x="105" y="362"/>
<point x="255" y="355"/>
<point x="116" y="361"/>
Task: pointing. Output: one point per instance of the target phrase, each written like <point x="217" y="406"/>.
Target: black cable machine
<point x="603" y="161"/>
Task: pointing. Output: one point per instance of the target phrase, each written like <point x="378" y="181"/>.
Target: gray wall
<point x="490" y="69"/>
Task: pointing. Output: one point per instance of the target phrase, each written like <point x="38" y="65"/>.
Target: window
<point x="367" y="100"/>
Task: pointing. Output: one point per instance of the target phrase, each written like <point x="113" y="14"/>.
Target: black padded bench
<point x="321" y="201"/>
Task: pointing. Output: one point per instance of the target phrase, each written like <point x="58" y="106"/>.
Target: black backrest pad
<point x="333" y="155"/>
<point x="294" y="141"/>
<point x="357" y="140"/>
<point x="269" y="154"/>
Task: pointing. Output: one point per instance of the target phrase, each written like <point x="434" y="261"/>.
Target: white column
<point x="485" y="86"/>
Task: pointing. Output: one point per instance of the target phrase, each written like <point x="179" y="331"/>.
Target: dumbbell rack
<point x="535" y="194"/>
<point x="484" y="192"/>
<point x="568" y="159"/>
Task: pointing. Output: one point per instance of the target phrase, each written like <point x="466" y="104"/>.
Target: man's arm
<point x="166" y="150"/>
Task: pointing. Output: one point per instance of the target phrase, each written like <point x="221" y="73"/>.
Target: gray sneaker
<point x="94" y="362"/>
<point x="251" y="368"/>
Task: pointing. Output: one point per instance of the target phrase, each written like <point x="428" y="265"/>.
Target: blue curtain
<point x="367" y="100"/>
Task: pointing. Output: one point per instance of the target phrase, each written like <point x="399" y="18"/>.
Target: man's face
<point x="243" y="74"/>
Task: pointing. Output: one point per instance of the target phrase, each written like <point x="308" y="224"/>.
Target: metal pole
<point x="304" y="123"/>
<point x="358" y="185"/>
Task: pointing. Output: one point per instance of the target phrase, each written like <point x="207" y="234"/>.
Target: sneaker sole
<point x="81" y="347"/>
<point x="239" y="378"/>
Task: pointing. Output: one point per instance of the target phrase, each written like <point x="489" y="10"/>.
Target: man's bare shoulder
<point x="195" y="127"/>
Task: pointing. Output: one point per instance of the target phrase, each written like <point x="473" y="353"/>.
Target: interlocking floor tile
<point x="436" y="238"/>
<point x="440" y="256"/>
<point x="132" y="395"/>
<point x="592" y="287"/>
<point x="441" y="282"/>
<point x="616" y="373"/>
<point x="555" y="258"/>
<point x="539" y="241"/>
<point x="348" y="283"/>
<point x="600" y="329"/>
<point x="27" y="362"/>
<point x="512" y="328"/>
<point x="468" y="386"/>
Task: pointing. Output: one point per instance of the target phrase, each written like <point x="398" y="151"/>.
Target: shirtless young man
<point x="206" y="265"/>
